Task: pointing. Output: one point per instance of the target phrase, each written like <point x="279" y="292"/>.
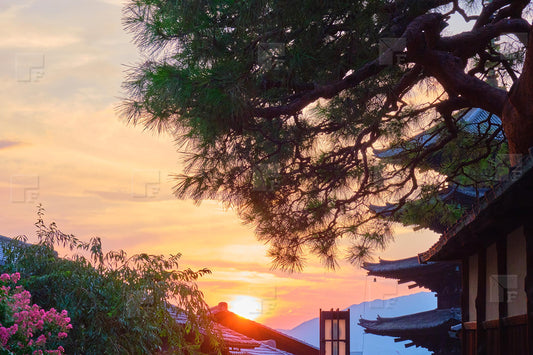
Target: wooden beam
<point x="347" y="342"/>
<point x="465" y="292"/>
<point x="465" y="302"/>
<point x="481" y="301"/>
<point x="322" y="334"/>
<point x="528" y="284"/>
<point x="501" y="255"/>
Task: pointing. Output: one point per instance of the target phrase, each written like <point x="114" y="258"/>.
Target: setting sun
<point x="246" y="306"/>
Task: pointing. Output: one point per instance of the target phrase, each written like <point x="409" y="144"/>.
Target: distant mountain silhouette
<point x="370" y="344"/>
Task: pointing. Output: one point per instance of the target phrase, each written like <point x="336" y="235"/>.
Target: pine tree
<point x="282" y="107"/>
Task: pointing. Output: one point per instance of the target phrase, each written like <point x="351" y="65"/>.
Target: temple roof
<point x="416" y="323"/>
<point x="466" y="196"/>
<point x="423" y="275"/>
<point x="501" y="210"/>
<point x="475" y="121"/>
<point x="479" y="121"/>
<point x="428" y="329"/>
<point x="388" y="266"/>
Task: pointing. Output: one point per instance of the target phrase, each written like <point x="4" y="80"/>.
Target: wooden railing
<point x="513" y="340"/>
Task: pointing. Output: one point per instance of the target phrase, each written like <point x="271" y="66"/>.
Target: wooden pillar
<point x="528" y="284"/>
<point x="481" y="301"/>
<point x="465" y="302"/>
<point x="322" y="334"/>
<point x="501" y="250"/>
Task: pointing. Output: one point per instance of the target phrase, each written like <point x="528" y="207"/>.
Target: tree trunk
<point x="517" y="115"/>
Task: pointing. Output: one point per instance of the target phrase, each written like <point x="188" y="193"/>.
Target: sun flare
<point x="246" y="306"/>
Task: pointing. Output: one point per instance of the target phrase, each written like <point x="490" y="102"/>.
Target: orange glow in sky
<point x="61" y="144"/>
<point x="246" y="306"/>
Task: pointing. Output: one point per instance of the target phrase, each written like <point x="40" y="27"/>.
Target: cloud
<point x="110" y="195"/>
<point x="114" y="2"/>
<point x="150" y="193"/>
<point x="12" y="7"/>
<point x="32" y="39"/>
<point x="4" y="144"/>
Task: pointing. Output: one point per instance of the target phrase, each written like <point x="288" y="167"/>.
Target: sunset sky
<point x="63" y="145"/>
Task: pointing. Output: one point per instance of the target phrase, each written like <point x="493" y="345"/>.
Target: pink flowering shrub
<point x="27" y="328"/>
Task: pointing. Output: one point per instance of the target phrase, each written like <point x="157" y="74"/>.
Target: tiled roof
<point x="4" y="239"/>
<point x="260" y="332"/>
<point x="476" y="121"/>
<point x="412" y="322"/>
<point x="240" y="344"/>
<point x="393" y="265"/>
<point x="466" y="196"/>
<point x="1" y="250"/>
<point x="407" y="266"/>
<point x="237" y="343"/>
<point x="430" y="330"/>
<point x="436" y="276"/>
<point x="237" y="340"/>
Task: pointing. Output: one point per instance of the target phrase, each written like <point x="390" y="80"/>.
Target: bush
<point x="117" y="304"/>
<point x="25" y="328"/>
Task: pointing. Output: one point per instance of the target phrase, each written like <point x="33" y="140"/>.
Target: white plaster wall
<point x="516" y="271"/>
<point x="493" y="286"/>
<point x="472" y="284"/>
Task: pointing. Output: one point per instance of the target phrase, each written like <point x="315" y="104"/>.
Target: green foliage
<point x="118" y="304"/>
<point x="230" y="81"/>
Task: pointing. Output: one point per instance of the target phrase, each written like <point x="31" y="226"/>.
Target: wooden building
<point x="425" y="329"/>
<point x="494" y="243"/>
